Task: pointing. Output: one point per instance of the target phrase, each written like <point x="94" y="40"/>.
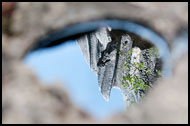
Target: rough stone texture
<point x="167" y="103"/>
<point x="55" y="16"/>
<point x="26" y="100"/>
<point x="118" y="61"/>
<point x="170" y="105"/>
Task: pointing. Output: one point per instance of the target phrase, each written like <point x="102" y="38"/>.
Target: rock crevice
<point x="121" y="60"/>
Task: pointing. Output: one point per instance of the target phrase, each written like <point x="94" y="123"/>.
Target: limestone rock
<point x="166" y="103"/>
<point x="121" y="62"/>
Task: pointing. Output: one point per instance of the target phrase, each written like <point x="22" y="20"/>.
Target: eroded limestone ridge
<point x="121" y="60"/>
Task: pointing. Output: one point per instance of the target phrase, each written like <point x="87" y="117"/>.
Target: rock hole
<point x="122" y="54"/>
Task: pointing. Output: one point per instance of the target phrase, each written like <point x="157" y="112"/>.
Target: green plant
<point x="134" y="81"/>
<point x="127" y="68"/>
<point x="148" y="71"/>
<point x="137" y="82"/>
<point x="130" y="51"/>
<point x="120" y="52"/>
<point x="150" y="51"/>
<point x="159" y="73"/>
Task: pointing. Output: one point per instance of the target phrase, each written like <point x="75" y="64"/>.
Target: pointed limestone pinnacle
<point x="117" y="59"/>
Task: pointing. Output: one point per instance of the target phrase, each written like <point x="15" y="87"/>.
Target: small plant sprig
<point x="136" y="82"/>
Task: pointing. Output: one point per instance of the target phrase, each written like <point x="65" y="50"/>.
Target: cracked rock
<point x="121" y="60"/>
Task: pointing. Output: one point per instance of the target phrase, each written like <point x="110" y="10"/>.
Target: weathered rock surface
<point x="26" y="100"/>
<point x="121" y="62"/>
<point x="23" y="95"/>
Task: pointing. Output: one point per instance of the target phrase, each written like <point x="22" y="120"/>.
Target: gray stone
<point x="121" y="62"/>
<point x="167" y="102"/>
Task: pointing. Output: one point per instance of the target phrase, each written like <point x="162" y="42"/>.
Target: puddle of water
<point x="66" y="64"/>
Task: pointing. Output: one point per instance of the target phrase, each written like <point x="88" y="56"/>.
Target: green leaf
<point x="130" y="51"/>
<point x="142" y="65"/>
<point x="148" y="71"/>
<point x="121" y="53"/>
<point x="159" y="73"/>
<point x="128" y="58"/>
<point x="127" y="68"/>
